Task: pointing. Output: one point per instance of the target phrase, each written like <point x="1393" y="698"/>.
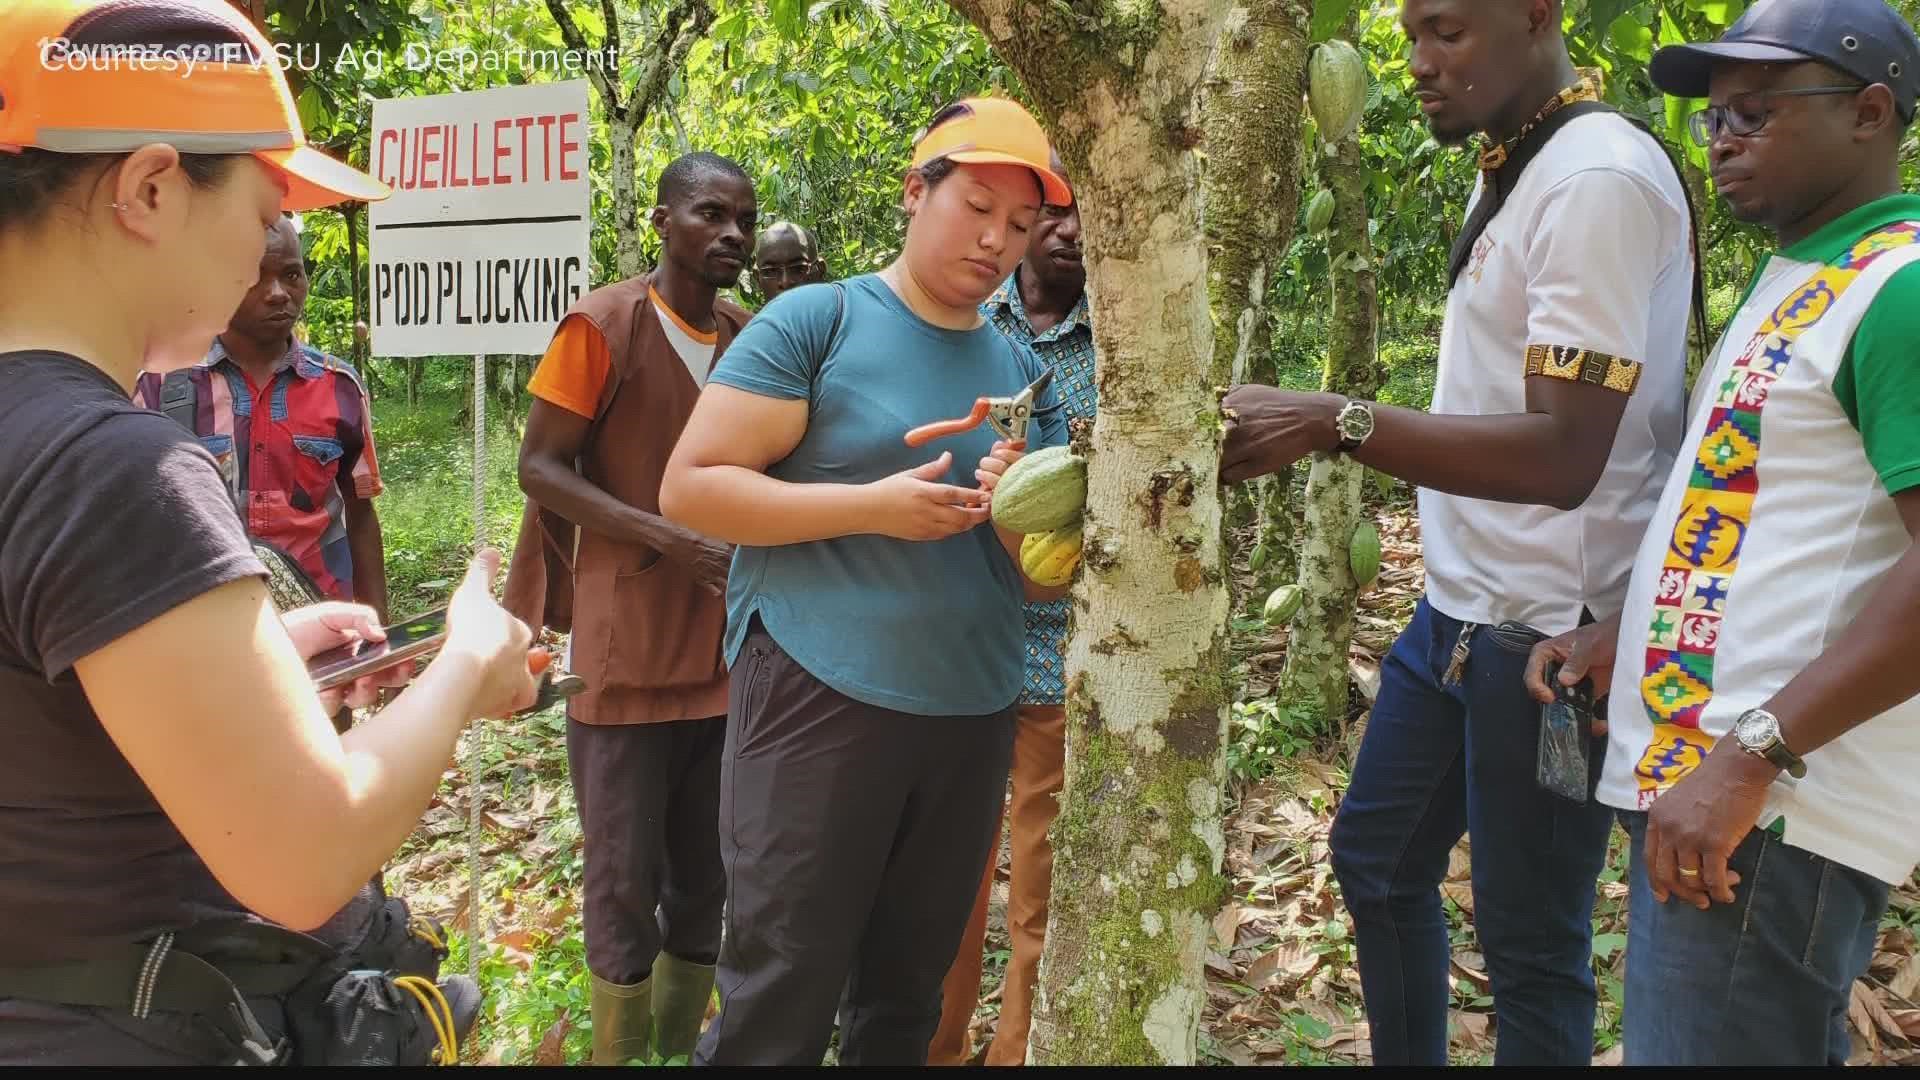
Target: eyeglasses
<point x="783" y="271"/>
<point x="1746" y="114"/>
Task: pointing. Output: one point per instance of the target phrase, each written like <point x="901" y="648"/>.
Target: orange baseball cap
<point x="993" y="131"/>
<point x="111" y="76"/>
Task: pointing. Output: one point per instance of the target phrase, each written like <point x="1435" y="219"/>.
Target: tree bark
<point x="1138" y="844"/>
<point x="1252" y="118"/>
<point x="681" y="24"/>
<point x="1314" y="683"/>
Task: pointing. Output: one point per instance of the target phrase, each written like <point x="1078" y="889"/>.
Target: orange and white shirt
<point x="573" y="373"/>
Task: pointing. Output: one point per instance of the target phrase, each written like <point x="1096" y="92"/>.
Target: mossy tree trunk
<point x="1252" y="119"/>
<point x="1314" y="682"/>
<point x="1138" y="845"/>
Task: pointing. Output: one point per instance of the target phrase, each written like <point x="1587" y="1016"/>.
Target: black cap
<point x="1864" y="38"/>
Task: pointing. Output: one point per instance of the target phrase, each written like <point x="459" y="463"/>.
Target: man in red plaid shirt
<point x="292" y="431"/>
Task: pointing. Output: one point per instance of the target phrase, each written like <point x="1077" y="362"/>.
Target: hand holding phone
<point x="406" y="641"/>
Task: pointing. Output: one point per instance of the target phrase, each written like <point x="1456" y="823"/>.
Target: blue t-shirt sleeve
<point x="1049" y="426"/>
<point x="780" y="349"/>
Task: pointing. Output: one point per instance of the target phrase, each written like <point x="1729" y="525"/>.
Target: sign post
<point x="481" y="249"/>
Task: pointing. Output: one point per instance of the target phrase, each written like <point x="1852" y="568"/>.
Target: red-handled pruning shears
<point x="1008" y="416"/>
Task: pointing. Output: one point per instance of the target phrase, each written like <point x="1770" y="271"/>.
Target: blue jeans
<point x="1762" y="981"/>
<point x="1439" y="760"/>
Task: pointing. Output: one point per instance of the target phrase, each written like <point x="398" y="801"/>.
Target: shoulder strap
<point x="1494" y="192"/>
<point x="179" y="399"/>
<point x="1701" y="328"/>
<point x="1504" y="178"/>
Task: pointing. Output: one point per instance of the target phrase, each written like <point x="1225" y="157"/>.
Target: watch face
<point x="1756" y="730"/>
<point x="1356" y="422"/>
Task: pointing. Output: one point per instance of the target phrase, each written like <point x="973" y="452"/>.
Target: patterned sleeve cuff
<point x="1583" y="366"/>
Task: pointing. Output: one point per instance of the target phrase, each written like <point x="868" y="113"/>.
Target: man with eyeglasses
<point x="787" y="256"/>
<point x="1765" y="736"/>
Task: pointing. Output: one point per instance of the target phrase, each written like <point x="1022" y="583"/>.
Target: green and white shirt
<point x="1776" y="525"/>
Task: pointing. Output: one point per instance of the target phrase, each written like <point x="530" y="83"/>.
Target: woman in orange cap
<point x="171" y="775"/>
<point x="874" y="611"/>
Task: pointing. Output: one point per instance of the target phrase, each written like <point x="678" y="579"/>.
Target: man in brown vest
<point x="645" y="602"/>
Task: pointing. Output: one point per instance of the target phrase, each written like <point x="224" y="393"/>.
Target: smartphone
<point x="406" y="641"/>
<point x="1561" y="765"/>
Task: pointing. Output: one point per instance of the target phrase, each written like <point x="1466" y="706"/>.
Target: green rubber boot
<point x="622" y="1021"/>
<point x="681" y="992"/>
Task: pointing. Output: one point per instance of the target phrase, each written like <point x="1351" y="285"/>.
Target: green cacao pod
<point x="1050" y="558"/>
<point x="1363" y="555"/>
<point x="1259" y="557"/>
<point x="1320" y="212"/>
<point x="1336" y="89"/>
<point x="1041" y="492"/>
<point x="1282" y="603"/>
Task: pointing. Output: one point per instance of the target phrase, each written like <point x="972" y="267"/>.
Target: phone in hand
<point x="406" y="641"/>
<point x="1562" y="764"/>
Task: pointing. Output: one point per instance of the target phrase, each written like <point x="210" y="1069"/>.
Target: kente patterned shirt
<point x="1775" y="528"/>
<point x="1067" y="348"/>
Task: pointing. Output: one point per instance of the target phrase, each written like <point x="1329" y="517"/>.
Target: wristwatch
<point x="1758" y="732"/>
<point x="1355" y="424"/>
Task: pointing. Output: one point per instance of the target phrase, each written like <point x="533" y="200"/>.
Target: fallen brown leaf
<point x="1289" y="963"/>
<point x="1908" y="1021"/>
<point x="1470" y="1029"/>
<point x="553" y="1045"/>
<point x="1612" y="1057"/>
<point x="1460" y="892"/>
<point x="1878" y="1011"/>
<point x="1226" y="925"/>
<point x="1472" y="967"/>
<point x="1220" y="965"/>
<point x="1862" y="1017"/>
<point x="1906" y="982"/>
<point x="510" y="822"/>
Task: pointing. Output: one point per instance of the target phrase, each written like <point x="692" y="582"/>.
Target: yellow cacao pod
<point x="1050" y="558"/>
<point x="1336" y="89"/>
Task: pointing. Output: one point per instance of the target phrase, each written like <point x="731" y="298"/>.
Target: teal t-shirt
<point x="930" y="628"/>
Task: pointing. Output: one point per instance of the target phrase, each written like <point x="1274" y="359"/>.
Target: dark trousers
<point x="1765" y="980"/>
<point x="1439" y="760"/>
<point x="649" y="798"/>
<point x="853" y="837"/>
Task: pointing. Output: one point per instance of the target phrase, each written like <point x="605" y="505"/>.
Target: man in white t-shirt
<point x="1557" y="408"/>
<point x="1775" y="592"/>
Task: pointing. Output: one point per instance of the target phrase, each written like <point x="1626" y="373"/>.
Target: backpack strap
<point x="179" y="399"/>
<point x="1502" y="181"/>
<point x="1701" y="327"/>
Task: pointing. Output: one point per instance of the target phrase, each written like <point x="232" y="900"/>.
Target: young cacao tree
<point x="1252" y="120"/>
<point x="1314" y="682"/>
<point x="1138" y="844"/>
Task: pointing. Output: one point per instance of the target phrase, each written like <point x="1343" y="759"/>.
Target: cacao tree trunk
<point x="1314" y="683"/>
<point x="1252" y="120"/>
<point x="1138" y="844"/>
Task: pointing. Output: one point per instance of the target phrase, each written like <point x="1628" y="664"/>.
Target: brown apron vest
<point x="647" y="637"/>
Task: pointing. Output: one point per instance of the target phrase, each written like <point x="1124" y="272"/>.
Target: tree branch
<point x="684" y="23"/>
<point x="612" y="18"/>
<point x="570" y="33"/>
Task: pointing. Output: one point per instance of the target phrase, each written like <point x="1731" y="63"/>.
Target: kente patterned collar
<point x="1586" y="89"/>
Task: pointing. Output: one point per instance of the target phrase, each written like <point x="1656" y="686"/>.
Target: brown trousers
<point x="1039" y="768"/>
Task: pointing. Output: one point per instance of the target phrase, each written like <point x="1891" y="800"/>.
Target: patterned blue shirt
<point x="1068" y="349"/>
